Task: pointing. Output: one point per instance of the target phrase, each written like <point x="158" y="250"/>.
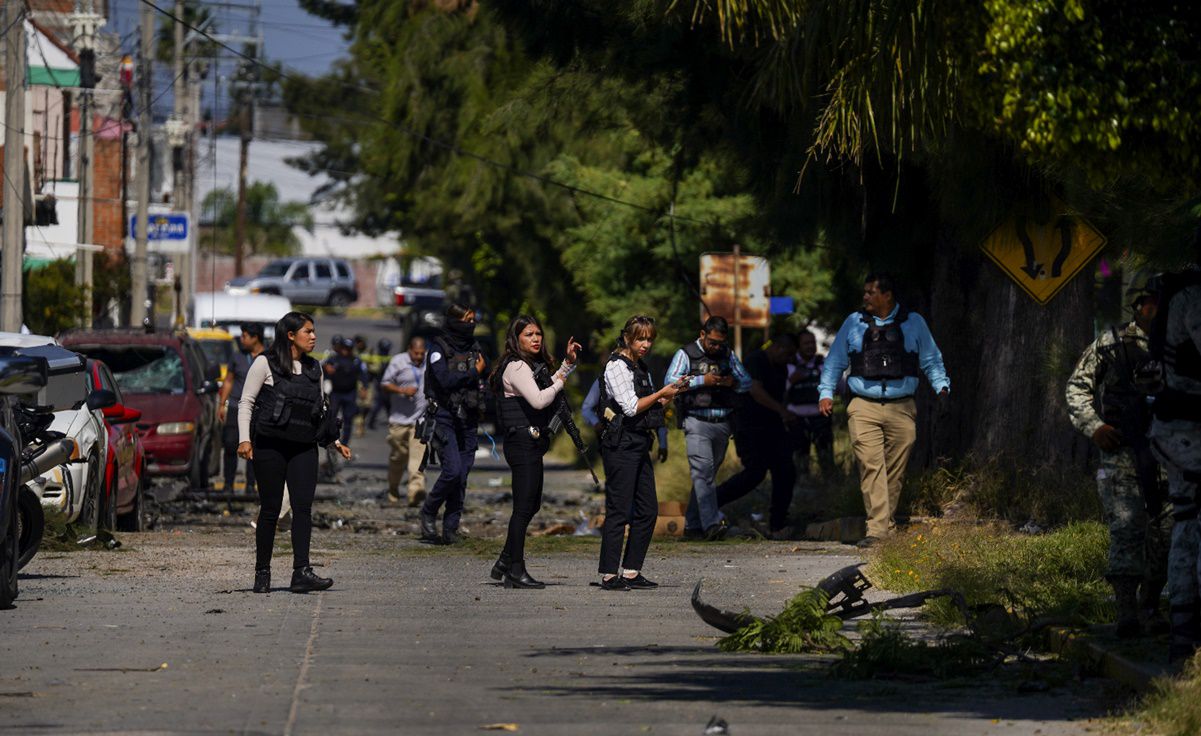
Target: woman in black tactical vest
<point x="279" y="417"/>
<point x="631" y="411"/>
<point x="452" y="384"/>
<point x="528" y="391"/>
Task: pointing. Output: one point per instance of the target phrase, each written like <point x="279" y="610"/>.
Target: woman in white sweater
<point x="528" y="390"/>
<point x="278" y="418"/>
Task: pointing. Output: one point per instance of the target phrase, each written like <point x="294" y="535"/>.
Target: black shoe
<point x="305" y="580"/>
<point x="616" y="582"/>
<point x="717" y="532"/>
<point x="499" y="569"/>
<point x="638" y="582"/>
<point x="451" y="536"/>
<point x="262" y="581"/>
<point x="429" y="528"/>
<point x="867" y="542"/>
<point x="693" y="535"/>
<point x="523" y="581"/>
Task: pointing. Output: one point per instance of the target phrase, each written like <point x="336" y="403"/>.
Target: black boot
<point x="305" y="580"/>
<point x="499" y="569"/>
<point x="1125" y="598"/>
<point x="451" y="536"/>
<point x="518" y="577"/>
<point x="1149" y="593"/>
<point x="429" y="528"/>
<point x="262" y="581"/>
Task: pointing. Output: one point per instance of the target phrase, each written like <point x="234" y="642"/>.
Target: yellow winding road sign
<point x="1042" y="257"/>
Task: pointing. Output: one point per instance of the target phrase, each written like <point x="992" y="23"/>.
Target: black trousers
<point x="277" y="461"/>
<point x="629" y="499"/>
<point x="229" y="455"/>
<point x="763" y="452"/>
<point x="816" y="432"/>
<point x="524" y="454"/>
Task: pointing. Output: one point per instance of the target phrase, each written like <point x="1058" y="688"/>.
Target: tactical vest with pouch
<point x="883" y="356"/>
<point x="292" y="407"/>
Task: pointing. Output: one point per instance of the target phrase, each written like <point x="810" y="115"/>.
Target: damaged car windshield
<point x="148" y="369"/>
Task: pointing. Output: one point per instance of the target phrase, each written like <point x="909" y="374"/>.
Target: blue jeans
<point x="456" y="451"/>
<point x="707" y="443"/>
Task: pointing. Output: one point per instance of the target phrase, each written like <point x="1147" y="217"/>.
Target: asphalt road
<point x="164" y="636"/>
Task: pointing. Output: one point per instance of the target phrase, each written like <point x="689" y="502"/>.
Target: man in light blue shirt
<point x="886" y="348"/>
<point x="716" y="382"/>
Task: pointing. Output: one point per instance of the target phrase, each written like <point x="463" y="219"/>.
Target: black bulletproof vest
<point x="804" y="391"/>
<point x="714" y="397"/>
<point x="291" y="408"/>
<point x="346" y="373"/>
<point x="650" y="419"/>
<point x="239" y="366"/>
<point x="884" y="357"/>
<point x="514" y="412"/>
<point x="467" y="397"/>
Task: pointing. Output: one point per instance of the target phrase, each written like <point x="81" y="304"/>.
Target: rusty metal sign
<point x="752" y="289"/>
<point x="1042" y="257"/>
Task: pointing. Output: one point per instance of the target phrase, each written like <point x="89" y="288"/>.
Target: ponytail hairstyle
<point x="280" y="353"/>
<point x="512" y="349"/>
<point x="640" y="325"/>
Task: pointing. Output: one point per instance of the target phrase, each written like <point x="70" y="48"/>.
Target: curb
<point x="1081" y="645"/>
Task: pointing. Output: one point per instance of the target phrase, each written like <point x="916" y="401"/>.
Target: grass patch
<point x="1059" y="574"/>
<point x="1174" y="708"/>
<point x="60" y="535"/>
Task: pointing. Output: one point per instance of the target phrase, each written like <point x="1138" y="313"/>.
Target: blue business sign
<point x="782" y="305"/>
<point x="170" y="226"/>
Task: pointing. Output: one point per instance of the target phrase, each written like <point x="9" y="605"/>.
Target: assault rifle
<point x="425" y="432"/>
<point x="563" y="420"/>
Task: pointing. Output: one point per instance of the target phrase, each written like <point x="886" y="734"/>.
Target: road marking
<point x="303" y="675"/>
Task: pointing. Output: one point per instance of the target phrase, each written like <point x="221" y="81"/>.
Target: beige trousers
<point x="882" y="436"/>
<point x="406" y="452"/>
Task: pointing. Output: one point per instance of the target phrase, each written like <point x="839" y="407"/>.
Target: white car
<point x="75" y="489"/>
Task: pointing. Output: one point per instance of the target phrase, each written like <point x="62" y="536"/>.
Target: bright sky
<point x="299" y="41"/>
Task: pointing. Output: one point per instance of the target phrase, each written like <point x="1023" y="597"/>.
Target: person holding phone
<point x="523" y="380"/>
<point x="632" y="410"/>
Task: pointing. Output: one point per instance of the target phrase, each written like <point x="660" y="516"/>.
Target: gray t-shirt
<point x="401" y="372"/>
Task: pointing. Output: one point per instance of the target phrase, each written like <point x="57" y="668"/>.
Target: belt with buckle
<point x="882" y="400"/>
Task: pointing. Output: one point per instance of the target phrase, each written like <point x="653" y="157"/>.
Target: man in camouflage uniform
<point x="1176" y="440"/>
<point x="1108" y="405"/>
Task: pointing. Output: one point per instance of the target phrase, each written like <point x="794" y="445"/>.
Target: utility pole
<point x="137" y="312"/>
<point x="179" y="131"/>
<point x="85" y="23"/>
<point x="246" y="124"/>
<point x="14" y="166"/>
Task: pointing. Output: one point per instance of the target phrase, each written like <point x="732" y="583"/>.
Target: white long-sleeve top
<point x="258" y="375"/>
<point x="619" y="383"/>
<point x="518" y="380"/>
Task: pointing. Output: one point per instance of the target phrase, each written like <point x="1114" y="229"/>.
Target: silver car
<point x="321" y="281"/>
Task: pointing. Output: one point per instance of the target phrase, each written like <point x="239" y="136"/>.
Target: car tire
<point x="108" y="506"/>
<point x="9" y="552"/>
<point x="340" y="299"/>
<point x="135" y="521"/>
<point x="89" y="513"/>
<point x="31" y="525"/>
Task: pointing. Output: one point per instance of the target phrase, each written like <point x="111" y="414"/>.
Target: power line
<point x="438" y="143"/>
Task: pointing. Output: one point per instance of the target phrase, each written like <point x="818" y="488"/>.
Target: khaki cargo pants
<point x="882" y="436"/>
<point x="405" y="453"/>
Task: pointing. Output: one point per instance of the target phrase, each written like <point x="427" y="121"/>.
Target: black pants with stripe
<point x="630" y="499"/>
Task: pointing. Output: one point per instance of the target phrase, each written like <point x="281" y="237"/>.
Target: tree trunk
<point x="1008" y="359"/>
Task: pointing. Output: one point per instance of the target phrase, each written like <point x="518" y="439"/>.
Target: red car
<point x="123" y="503"/>
<point x="164" y="375"/>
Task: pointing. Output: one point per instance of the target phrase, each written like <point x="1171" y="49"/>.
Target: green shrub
<point x="51" y="300"/>
<point x="1060" y="574"/>
<point x="803" y="626"/>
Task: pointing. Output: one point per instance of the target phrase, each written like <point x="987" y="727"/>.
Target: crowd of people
<point x="1135" y="392"/>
